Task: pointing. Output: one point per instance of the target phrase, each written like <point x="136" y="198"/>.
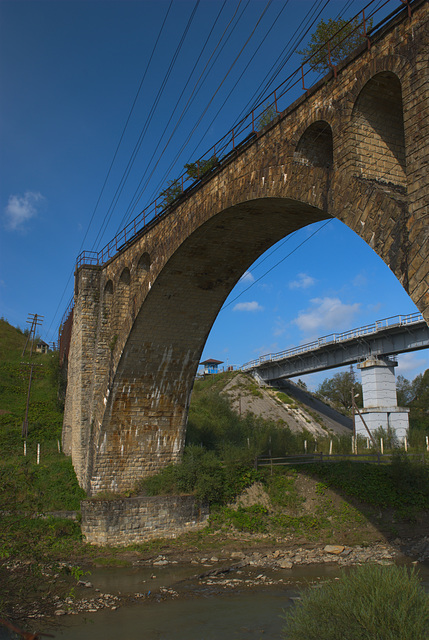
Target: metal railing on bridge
<point x="243" y="134"/>
<point x="335" y="338"/>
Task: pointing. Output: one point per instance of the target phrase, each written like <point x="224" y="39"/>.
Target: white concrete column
<point x="379" y="398"/>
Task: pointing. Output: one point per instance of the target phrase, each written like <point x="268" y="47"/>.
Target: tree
<point x="266" y="117"/>
<point x="171" y="193"/>
<point x="343" y="37"/>
<point x="338" y="390"/>
<point x="405" y="391"/>
<point x="419" y="415"/>
<point x="196" y="170"/>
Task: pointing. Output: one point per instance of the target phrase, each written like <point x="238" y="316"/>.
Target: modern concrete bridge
<point x="387" y="337"/>
<point x="369" y="347"/>
<point x="354" y="147"/>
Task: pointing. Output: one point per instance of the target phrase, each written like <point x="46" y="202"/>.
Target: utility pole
<point x="35" y="321"/>
<point x="364" y="423"/>
<point x="352" y="379"/>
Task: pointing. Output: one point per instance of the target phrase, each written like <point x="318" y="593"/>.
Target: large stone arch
<point x="138" y="425"/>
<point x="132" y="423"/>
<point x="169" y="332"/>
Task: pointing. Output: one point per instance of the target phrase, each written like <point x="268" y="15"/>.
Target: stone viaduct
<point x="354" y="147"/>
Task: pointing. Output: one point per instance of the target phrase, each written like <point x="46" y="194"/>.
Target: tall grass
<point x="369" y="603"/>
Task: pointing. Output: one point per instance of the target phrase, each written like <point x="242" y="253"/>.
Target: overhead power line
<point x="215" y="93"/>
<point x="126" y="173"/>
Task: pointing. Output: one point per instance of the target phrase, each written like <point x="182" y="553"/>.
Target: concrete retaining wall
<point x="133" y="520"/>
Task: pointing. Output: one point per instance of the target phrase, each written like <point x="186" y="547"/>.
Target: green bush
<point x="369" y="603"/>
<point x="253" y="519"/>
<point x="282" y="490"/>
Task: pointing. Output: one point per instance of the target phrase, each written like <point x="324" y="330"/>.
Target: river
<point x="176" y="605"/>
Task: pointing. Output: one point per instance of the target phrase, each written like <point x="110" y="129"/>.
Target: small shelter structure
<point x="211" y="366"/>
<point x="42" y="347"/>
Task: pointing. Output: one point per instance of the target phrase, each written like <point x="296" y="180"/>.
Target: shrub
<point x="371" y="602"/>
<point x="197" y="169"/>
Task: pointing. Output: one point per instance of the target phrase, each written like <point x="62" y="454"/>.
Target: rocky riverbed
<point x="227" y="570"/>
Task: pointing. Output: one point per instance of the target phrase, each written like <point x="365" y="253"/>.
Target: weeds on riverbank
<point x="369" y="602"/>
<point x="402" y="485"/>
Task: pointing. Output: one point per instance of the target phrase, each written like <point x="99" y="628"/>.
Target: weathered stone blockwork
<point x="354" y="147"/>
<point x="135" y="520"/>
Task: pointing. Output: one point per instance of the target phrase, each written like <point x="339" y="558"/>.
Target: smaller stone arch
<point x="125" y="278"/>
<point x="143" y="264"/>
<point x="107" y="301"/>
<point x="378" y="130"/>
<point x="315" y="147"/>
<point x="122" y="297"/>
<point x="108" y="290"/>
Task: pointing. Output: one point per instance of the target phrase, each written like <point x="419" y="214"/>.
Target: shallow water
<point x="201" y="611"/>
<point x="228" y="616"/>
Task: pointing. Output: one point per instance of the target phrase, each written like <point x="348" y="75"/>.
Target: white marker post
<point x="25" y="447"/>
<point x="305" y="446"/>
<point x="38" y="453"/>
<point x="381" y="446"/>
<point x="330" y="448"/>
<point x="406" y="443"/>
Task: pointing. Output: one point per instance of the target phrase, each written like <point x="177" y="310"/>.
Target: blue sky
<point x="75" y="77"/>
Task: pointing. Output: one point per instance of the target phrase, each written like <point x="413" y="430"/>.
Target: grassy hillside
<point x="28" y="487"/>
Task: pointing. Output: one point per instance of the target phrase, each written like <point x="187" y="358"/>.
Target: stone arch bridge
<point x="354" y="147"/>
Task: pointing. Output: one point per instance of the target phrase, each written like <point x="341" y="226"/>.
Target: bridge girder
<point x="387" y="342"/>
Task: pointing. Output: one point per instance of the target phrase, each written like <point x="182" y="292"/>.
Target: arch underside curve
<point x="144" y="421"/>
<point x="143" y="427"/>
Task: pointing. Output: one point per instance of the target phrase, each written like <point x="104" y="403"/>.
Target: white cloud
<point x="303" y="281"/>
<point x="20" y="209"/>
<point x="360" y="280"/>
<point x="248" y="306"/>
<point x="326" y="314"/>
<point x="247" y="278"/>
<point x="411" y="363"/>
<point x="280" y="326"/>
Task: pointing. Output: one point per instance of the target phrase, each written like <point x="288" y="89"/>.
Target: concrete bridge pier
<point x="379" y="398"/>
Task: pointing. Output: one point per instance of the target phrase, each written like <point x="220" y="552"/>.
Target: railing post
<point x="364" y="30"/>
<point x="407" y="3"/>
<point x="302" y="76"/>
<point x="275" y="101"/>
<point x="233" y="140"/>
<point x="253" y="121"/>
